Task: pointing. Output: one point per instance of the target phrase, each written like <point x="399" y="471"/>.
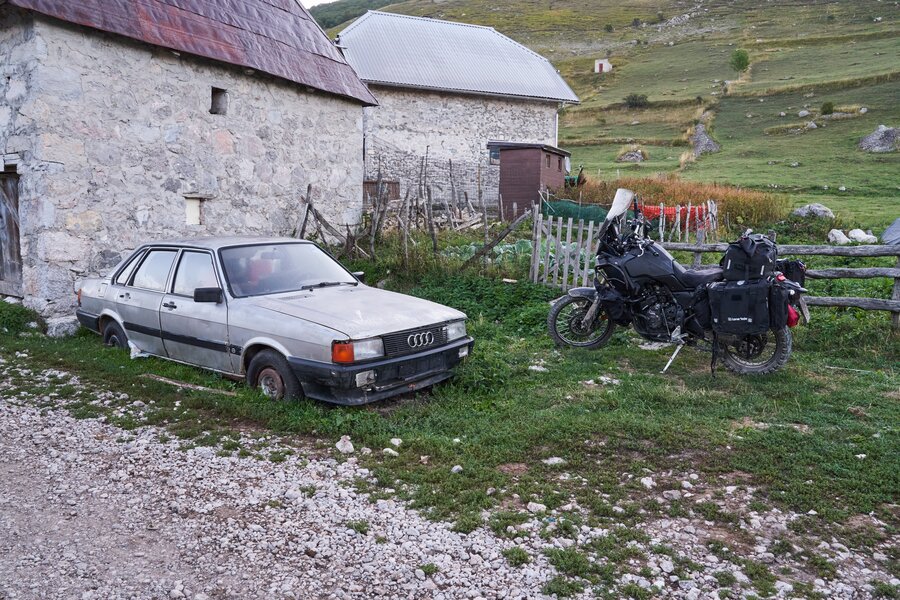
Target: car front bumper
<point x="392" y="376"/>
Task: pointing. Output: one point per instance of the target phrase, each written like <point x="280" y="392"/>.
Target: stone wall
<point x="453" y="127"/>
<point x="113" y="134"/>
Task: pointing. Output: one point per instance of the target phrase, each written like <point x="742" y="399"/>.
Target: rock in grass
<point x="883" y="139"/>
<point x="858" y="235"/>
<point x="536" y="507"/>
<point x="836" y="236"/>
<point x="648" y="482"/>
<point x="344" y="445"/>
<point x="891" y="235"/>
<point x="554" y="460"/>
<point x="396" y="442"/>
<point x="819" y="211"/>
<point x="456" y="469"/>
<point x="390" y="452"/>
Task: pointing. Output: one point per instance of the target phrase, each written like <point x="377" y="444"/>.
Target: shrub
<point x="608" y="28"/>
<point x="637" y="101"/>
<point x="740" y="60"/>
<point x="827" y="108"/>
<point x="15" y="318"/>
<point x="636" y="22"/>
<point x="750" y="208"/>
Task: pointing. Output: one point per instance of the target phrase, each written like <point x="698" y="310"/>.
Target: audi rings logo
<point x="420" y="340"/>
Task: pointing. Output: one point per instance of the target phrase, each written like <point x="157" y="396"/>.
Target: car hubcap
<point x="271" y="384"/>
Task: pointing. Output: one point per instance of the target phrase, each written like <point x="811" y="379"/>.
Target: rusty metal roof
<point x="422" y="53"/>
<point x="278" y="37"/>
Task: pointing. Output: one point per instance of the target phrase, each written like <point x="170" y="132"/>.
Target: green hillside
<point x="802" y="53"/>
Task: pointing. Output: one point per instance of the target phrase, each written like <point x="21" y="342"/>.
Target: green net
<point x="568" y="208"/>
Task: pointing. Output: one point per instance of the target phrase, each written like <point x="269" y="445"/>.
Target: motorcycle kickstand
<point x="672" y="358"/>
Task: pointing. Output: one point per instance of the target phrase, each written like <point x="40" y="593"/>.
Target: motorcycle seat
<point x="693" y="277"/>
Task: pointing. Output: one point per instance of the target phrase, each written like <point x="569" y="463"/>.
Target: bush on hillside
<point x="740" y="60"/>
<point x="744" y="208"/>
<point x="827" y="108"/>
<point x="637" y="101"/>
<point x="608" y="28"/>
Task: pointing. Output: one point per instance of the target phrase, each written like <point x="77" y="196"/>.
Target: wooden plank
<point x="589" y="254"/>
<point x="797" y="250"/>
<point x="565" y="277"/>
<point x="484" y="250"/>
<point x="863" y="303"/>
<point x="859" y="273"/>
<point x="536" y="245"/>
<point x="559" y="232"/>
<point x="546" y="262"/>
<point x="576" y="267"/>
<point x="185" y="385"/>
<point x="895" y="318"/>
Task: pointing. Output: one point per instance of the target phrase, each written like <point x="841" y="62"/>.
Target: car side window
<point x="195" y="270"/>
<point x="154" y="270"/>
<point x="122" y="279"/>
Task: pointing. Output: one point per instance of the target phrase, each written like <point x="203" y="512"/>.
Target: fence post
<point x="895" y="317"/>
<point x="536" y="244"/>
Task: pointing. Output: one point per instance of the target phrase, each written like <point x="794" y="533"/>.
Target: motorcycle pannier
<point x="751" y="257"/>
<point x="795" y="270"/>
<point x="740" y="307"/>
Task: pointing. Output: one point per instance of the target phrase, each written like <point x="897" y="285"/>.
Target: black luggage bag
<point x="740" y="307"/>
<point x="751" y="257"/>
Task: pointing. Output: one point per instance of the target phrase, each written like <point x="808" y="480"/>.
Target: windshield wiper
<point x="323" y="284"/>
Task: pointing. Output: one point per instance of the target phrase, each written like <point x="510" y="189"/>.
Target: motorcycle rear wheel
<point x="566" y="329"/>
<point x="758" y="354"/>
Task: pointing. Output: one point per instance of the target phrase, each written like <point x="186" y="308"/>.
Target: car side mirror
<point x="208" y="294"/>
<point x="361" y="275"/>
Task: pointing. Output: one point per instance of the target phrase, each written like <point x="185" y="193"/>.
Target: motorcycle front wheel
<point x="567" y="328"/>
<point x="758" y="354"/>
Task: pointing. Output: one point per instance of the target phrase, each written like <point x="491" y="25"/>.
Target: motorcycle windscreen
<point x="620" y="205"/>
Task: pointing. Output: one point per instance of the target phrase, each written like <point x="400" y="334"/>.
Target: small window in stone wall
<point x="192" y="210"/>
<point x="219" y="105"/>
<point x="548" y="161"/>
<point x="559" y="165"/>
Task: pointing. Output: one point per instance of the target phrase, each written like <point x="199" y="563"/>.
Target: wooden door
<point x="10" y="253"/>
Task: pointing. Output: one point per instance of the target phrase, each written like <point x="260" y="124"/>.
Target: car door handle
<point x="169" y="305"/>
<point x="126" y="296"/>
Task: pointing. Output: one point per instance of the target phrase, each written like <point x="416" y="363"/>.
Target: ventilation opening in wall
<point x="219" y="103"/>
<point x="192" y="210"/>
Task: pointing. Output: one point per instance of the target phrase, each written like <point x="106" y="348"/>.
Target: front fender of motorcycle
<point x="583" y="292"/>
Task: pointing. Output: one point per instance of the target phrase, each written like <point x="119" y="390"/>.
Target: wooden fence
<point x="565" y="251"/>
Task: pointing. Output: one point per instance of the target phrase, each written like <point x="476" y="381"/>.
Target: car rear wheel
<point x="114" y="335"/>
<point x="271" y="373"/>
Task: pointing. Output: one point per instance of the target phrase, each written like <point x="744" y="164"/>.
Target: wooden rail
<point x="892" y="305"/>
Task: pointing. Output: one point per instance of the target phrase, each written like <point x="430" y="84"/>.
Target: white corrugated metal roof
<point x="416" y="52"/>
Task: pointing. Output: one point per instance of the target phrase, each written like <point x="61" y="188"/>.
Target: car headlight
<point x="349" y="351"/>
<point x="456" y="330"/>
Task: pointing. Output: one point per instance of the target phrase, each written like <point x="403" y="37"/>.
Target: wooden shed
<point x="525" y="171"/>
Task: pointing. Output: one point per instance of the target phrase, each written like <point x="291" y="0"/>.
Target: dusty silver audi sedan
<point x="279" y="312"/>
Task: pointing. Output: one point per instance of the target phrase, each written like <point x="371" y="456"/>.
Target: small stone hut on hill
<point x="123" y="122"/>
<point x="444" y="90"/>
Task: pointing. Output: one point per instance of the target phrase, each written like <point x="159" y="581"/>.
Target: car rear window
<point x="122" y="279"/>
<point x="275" y="268"/>
<point x="154" y="271"/>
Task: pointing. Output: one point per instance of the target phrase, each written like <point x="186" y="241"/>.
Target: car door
<point x="138" y="301"/>
<point x="195" y="332"/>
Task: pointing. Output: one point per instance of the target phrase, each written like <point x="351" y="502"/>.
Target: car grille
<point x="414" y="340"/>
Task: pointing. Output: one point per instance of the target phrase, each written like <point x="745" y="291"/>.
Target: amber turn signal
<point x="342" y="352"/>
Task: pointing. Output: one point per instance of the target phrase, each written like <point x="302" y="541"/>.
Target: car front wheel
<point x="271" y="373"/>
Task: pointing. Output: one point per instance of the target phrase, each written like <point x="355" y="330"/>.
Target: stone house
<point x="445" y="90"/>
<point x="602" y="65"/>
<point x="145" y="119"/>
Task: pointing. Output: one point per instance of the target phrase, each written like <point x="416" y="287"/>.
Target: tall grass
<point x="742" y="206"/>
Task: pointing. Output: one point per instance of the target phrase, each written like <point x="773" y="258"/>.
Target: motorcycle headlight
<point x="456" y="330"/>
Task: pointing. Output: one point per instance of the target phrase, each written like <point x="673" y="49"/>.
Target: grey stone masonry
<point x="111" y="136"/>
<point x="409" y="123"/>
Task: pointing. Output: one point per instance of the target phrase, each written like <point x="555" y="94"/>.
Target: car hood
<point x="360" y="311"/>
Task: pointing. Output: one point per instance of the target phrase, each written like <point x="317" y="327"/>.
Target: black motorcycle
<point x="741" y="311"/>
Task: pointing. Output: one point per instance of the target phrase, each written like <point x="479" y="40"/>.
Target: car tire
<point x="114" y="335"/>
<point x="270" y="372"/>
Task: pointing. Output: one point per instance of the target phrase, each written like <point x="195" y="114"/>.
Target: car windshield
<point x="275" y="268"/>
